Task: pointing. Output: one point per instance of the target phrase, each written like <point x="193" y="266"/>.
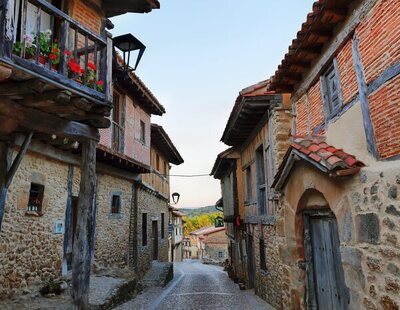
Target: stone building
<point x="258" y="131"/>
<point x="153" y="202"/>
<point x="177" y="233"/>
<point x="67" y="190"/>
<point x="215" y="245"/>
<point x="339" y="179"/>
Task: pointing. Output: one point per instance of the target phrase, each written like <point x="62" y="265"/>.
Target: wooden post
<point x="5" y="162"/>
<point x="81" y="257"/>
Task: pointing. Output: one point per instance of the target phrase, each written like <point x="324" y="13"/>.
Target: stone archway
<point x="319" y="276"/>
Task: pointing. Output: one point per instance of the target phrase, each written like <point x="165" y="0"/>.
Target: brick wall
<point x="385" y="113"/>
<point x="301" y="118"/>
<point x="315" y="106"/>
<point x="379" y="45"/>
<point x="379" y="37"/>
<point x="87" y="15"/>
<point x="347" y="73"/>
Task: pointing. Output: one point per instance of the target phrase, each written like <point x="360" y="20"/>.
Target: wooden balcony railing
<point x="49" y="44"/>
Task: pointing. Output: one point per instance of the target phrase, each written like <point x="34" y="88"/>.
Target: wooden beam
<point x="81" y="257"/>
<point x="22" y="88"/>
<point x="47" y="99"/>
<point x="5" y="162"/>
<point x="38" y="121"/>
<point x="17" y="161"/>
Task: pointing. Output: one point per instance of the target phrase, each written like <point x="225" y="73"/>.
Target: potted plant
<point x="44" y="45"/>
<point x="100" y="86"/>
<point x="30" y="47"/>
<point x="54" y="56"/>
<point x="91" y="75"/>
<point x="75" y="71"/>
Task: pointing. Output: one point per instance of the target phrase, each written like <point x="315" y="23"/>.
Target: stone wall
<point x="112" y="230"/>
<point x="268" y="283"/>
<point x="368" y="215"/>
<point x="30" y="251"/>
<point x="152" y="204"/>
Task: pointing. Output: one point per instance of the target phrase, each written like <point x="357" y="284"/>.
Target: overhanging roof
<point x="118" y="7"/>
<point x="314" y="150"/>
<point x="315" y="32"/>
<point x="250" y="108"/>
<point x="224" y="162"/>
<point x="119" y="160"/>
<point x="161" y="140"/>
<point x="136" y="88"/>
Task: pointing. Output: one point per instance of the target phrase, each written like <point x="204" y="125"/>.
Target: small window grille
<point x="36" y="197"/>
<point x="116" y="204"/>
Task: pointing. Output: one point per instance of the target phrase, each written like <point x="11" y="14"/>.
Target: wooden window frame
<point x="117" y="121"/>
<point x="331" y="108"/>
<point x="248" y="181"/>
<point x="142" y="132"/>
<point x="262" y="190"/>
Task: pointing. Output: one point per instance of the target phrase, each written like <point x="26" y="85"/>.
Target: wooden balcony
<point x="68" y="76"/>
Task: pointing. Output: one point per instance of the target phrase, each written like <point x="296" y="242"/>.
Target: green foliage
<point x="199" y="221"/>
<point x="197" y="211"/>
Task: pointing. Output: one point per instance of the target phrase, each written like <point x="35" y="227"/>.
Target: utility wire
<point x="189" y="175"/>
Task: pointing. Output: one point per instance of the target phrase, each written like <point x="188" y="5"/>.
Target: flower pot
<point x="42" y="60"/>
<point x="54" y="68"/>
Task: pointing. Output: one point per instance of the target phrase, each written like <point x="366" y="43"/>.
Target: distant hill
<point x="198" y="211"/>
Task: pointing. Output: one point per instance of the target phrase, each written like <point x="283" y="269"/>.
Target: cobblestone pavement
<point x="197" y="287"/>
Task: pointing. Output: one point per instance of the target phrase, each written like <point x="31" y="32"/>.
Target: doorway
<point x="250" y="261"/>
<point x="155" y="239"/>
<point x="325" y="275"/>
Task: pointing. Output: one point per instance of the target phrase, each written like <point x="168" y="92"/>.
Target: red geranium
<point x="92" y="66"/>
<point x="100" y="85"/>
<point x="67" y="53"/>
<point x="74" y="67"/>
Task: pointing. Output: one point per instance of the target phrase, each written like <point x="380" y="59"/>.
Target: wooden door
<point x="327" y="289"/>
<point x="250" y="261"/>
<point x="155" y="239"/>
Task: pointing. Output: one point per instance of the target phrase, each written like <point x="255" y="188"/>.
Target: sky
<point x="199" y="55"/>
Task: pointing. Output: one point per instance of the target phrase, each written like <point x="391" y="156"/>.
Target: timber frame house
<point x="38" y="101"/>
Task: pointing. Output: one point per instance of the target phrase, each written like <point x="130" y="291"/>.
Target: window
<point x="261" y="186"/>
<point x="162" y="225"/>
<point x="331" y="90"/>
<point x="36" y="197"/>
<point x="142" y="132"/>
<point x="117" y="130"/>
<point x="263" y="265"/>
<point x="158" y="163"/>
<point x="115" y="204"/>
<point x="176" y="231"/>
<point x="144" y="229"/>
<point x="248" y="183"/>
<point x="220" y="254"/>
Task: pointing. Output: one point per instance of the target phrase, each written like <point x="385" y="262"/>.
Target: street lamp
<point x="128" y="43"/>
<point x="175" y="197"/>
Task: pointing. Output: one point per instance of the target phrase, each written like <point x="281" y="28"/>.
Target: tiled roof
<point x="207" y="230"/>
<point x="315" y="33"/>
<point x="250" y="108"/>
<point x="163" y="143"/>
<point x="317" y="152"/>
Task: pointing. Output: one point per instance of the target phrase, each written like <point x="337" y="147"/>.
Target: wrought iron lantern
<point x="127" y="43"/>
<point x="175" y="197"/>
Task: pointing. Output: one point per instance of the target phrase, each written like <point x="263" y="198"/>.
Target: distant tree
<point x="199" y="221"/>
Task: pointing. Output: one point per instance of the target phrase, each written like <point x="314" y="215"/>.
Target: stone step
<point x="159" y="274"/>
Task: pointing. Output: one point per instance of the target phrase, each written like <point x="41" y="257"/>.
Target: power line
<point x="189" y="175"/>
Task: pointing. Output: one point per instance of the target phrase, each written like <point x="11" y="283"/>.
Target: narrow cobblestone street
<point x="197" y="286"/>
